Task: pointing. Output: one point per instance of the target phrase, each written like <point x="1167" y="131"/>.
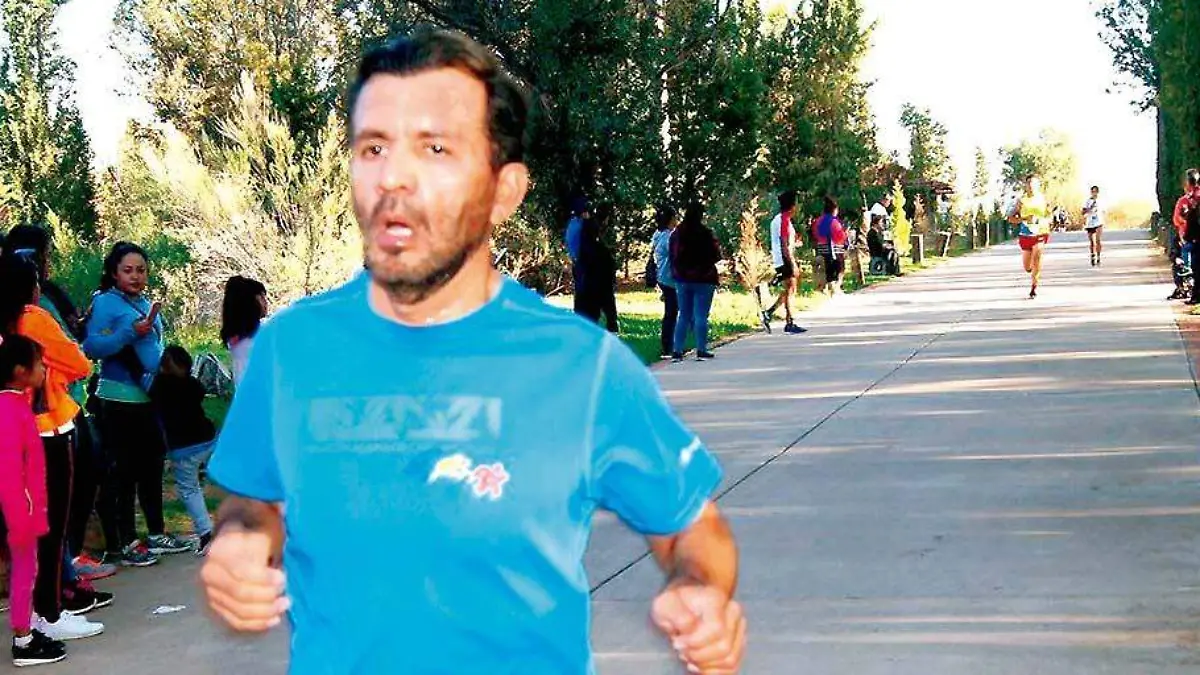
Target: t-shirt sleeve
<point x="245" y="460"/>
<point x="646" y="466"/>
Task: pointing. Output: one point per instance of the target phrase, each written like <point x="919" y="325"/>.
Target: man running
<point x="455" y="422"/>
<point x="1032" y="213"/>
<point x="1093" y="213"/>
<point x="783" y="244"/>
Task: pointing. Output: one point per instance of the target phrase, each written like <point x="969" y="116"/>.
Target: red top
<point x="836" y="229"/>
<point x="22" y="469"/>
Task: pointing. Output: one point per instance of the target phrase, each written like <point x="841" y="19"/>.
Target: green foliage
<point x="981" y="185"/>
<point x="191" y="55"/>
<point x="1128" y="28"/>
<point x="45" y="154"/>
<point x="928" y="158"/>
<point x="1051" y="157"/>
<point x="901" y="227"/>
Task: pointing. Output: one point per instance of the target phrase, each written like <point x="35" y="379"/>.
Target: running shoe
<point x="793" y="329"/>
<point x="766" y="320"/>
<point x="87" y="567"/>
<point x="677" y="358"/>
<point x="704" y="356"/>
<point x="83" y="599"/>
<point x="68" y="627"/>
<point x="39" y="651"/>
<point x="160" y="544"/>
<point x="137" y="555"/>
<point x="203" y="543"/>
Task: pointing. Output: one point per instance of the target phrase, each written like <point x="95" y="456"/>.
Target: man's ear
<point x="511" y="187"/>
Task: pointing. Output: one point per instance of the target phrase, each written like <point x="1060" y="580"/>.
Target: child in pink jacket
<point x="23" y="493"/>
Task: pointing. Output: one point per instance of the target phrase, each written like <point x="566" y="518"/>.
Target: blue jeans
<point x="1185" y="252"/>
<point x="185" y="463"/>
<point x="695" y="303"/>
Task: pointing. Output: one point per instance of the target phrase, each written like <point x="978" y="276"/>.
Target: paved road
<point x="942" y="477"/>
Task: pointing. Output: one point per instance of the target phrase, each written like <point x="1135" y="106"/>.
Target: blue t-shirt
<point x="439" y="482"/>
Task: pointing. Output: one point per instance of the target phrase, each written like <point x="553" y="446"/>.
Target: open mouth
<point x="394" y="235"/>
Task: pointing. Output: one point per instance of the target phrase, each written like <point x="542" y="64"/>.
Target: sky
<point x="969" y="61"/>
<point x="994" y="77"/>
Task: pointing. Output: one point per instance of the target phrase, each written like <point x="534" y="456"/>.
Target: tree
<point x="1127" y="28"/>
<point x="254" y="203"/>
<point x="928" y="158"/>
<point x="45" y="154"/>
<point x="1050" y="157"/>
<point x="190" y="56"/>
<point x="981" y="186"/>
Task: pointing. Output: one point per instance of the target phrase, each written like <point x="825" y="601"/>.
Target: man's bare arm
<point x="251" y="515"/>
<point x="705" y="553"/>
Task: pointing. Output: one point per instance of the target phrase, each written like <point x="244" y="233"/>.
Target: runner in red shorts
<point x="1034" y="217"/>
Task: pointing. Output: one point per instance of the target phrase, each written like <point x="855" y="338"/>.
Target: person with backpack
<point x="125" y="332"/>
<point x="1187" y="226"/>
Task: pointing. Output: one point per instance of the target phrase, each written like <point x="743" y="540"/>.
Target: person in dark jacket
<point x="598" y="281"/>
<point x="694" y="257"/>
<point x="179" y="400"/>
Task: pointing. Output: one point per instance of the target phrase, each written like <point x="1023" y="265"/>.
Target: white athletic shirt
<point x="781" y="239"/>
<point x="1095" y="213"/>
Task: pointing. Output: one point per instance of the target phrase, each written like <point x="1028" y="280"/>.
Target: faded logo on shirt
<point x="384" y="419"/>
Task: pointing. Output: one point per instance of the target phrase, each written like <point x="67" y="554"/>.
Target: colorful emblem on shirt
<point x="486" y="480"/>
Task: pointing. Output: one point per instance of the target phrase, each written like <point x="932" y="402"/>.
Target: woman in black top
<point x="694" y="257"/>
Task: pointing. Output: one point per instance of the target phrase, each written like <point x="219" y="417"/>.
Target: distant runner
<point x="1032" y="214"/>
<point x="783" y="244"/>
<point x="1093" y="213"/>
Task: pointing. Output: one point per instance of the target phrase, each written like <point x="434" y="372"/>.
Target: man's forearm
<point x="251" y="515"/>
<point x="704" y="553"/>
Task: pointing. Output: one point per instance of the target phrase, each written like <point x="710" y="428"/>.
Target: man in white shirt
<point x="1093" y="213"/>
<point x="783" y="242"/>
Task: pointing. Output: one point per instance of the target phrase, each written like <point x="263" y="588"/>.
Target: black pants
<point x="135" y="451"/>
<point x="670" y="318"/>
<point x="47" y="588"/>
<point x="88" y="474"/>
<point x="596" y="300"/>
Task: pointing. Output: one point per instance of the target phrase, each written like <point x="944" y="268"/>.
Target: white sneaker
<point x="68" y="627"/>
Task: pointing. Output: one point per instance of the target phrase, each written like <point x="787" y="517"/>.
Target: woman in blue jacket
<point x="125" y="332"/>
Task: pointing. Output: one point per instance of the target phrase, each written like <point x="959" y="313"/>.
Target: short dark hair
<point x="180" y="356"/>
<point x="241" y="314"/>
<point x="830" y="204"/>
<point x="31" y="239"/>
<point x="17" y="350"/>
<point x="108" y="278"/>
<point x="428" y="48"/>
<point x="1193" y="177"/>
<point x="664" y="215"/>
<point x="18" y="284"/>
<point x="1096" y="188"/>
<point x="787" y="200"/>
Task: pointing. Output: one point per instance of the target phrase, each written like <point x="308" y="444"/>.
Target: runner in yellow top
<point x="1034" y="216"/>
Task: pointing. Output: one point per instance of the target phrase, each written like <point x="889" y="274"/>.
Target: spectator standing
<point x="23" y="495"/>
<point x="599" y="277"/>
<point x="581" y="212"/>
<point x="660" y="250"/>
<point x="179" y="399"/>
<point x="125" y="333"/>
<point x="242" y="312"/>
<point x="830" y="238"/>
<point x="694" y="257"/>
<point x="1187" y="225"/>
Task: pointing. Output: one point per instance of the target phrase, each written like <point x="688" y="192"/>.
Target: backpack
<point x="213" y="376"/>
<point x="1192" y="232"/>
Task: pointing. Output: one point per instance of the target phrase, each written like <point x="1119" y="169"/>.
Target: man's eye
<point x="437" y="148"/>
<point x="372" y="150"/>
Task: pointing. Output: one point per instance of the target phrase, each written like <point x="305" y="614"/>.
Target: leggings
<point x="22" y="572"/>
<point x="89" y="472"/>
<point x="136" y="452"/>
<point x="47" y="589"/>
